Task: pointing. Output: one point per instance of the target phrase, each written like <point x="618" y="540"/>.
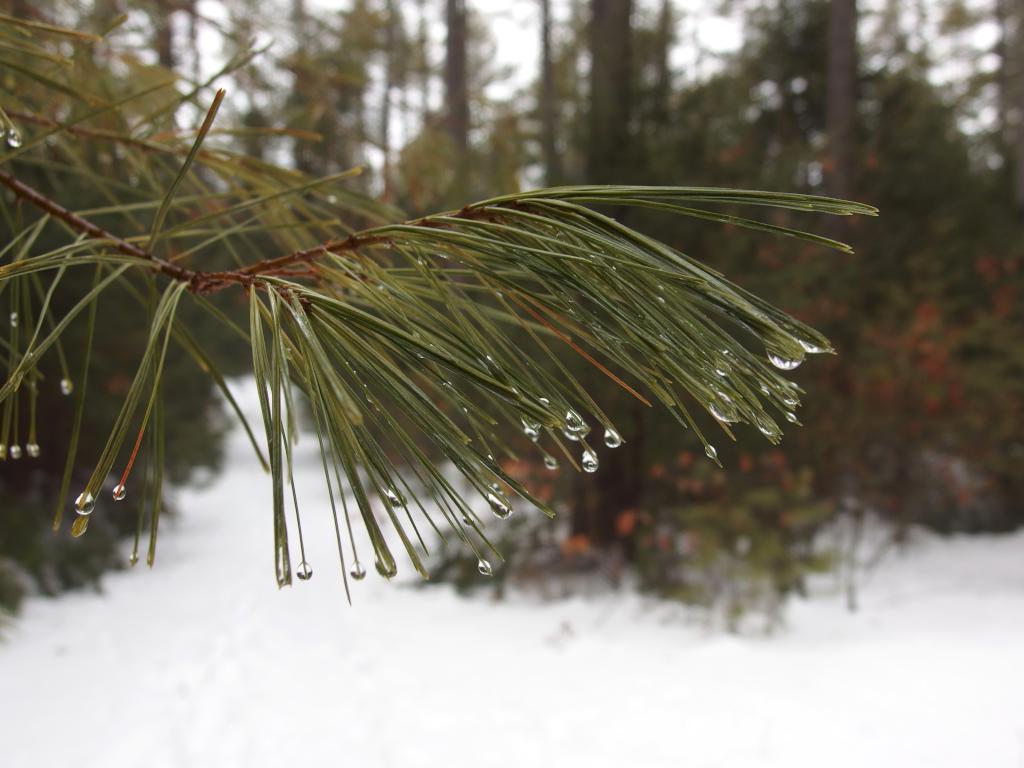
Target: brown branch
<point x="86" y="227"/>
<point x="290" y="265"/>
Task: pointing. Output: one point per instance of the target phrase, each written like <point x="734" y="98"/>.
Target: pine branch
<point x="416" y="344"/>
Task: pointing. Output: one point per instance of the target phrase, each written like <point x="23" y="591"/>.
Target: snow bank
<point x="203" y="662"/>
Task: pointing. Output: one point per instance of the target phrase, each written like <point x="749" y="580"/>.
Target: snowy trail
<point x="203" y="662"/>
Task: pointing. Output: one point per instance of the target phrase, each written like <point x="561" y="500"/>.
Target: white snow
<point x="203" y="662"/>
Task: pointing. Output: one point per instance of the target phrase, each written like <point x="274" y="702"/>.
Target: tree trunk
<point x="841" y="98"/>
<point x="549" y="143"/>
<point x="389" y="83"/>
<point x="618" y="485"/>
<point x="610" y="92"/>
<point x="663" y="84"/>
<point x="1016" y="98"/>
<point x="456" y="89"/>
<point x="163" y="34"/>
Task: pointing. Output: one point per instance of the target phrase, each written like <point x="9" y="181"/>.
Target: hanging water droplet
<point x="531" y="430"/>
<point x="575" y="427"/>
<point x="133" y="559"/>
<point x="543" y="401"/>
<point x="14" y="138"/>
<point x="550" y="462"/>
<point x="358" y="572"/>
<point x="14" y="319"/>
<point x="661" y="299"/>
<point x="589" y="460"/>
<point x="15" y="452"/>
<point x="394" y="499"/>
<point x="765" y="390"/>
<point x="612" y="438"/>
<point x="723" y="411"/>
<point x="791" y="417"/>
<point x="792" y="402"/>
<point x="332" y="199"/>
<point x="767" y="431"/>
<point x="386" y="571"/>
<point x="120" y="492"/>
<point x="484" y="567"/>
<point x="783" y="363"/>
<point x="80" y="526"/>
<point x="811" y="348"/>
<point x="32" y="449"/>
<point x="499" y="505"/>
<point x="85" y="503"/>
<point x="711" y="452"/>
<point x="305" y="571"/>
<point x="67" y="386"/>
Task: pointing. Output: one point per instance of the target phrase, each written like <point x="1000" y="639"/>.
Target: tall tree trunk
<point x="663" y="84"/>
<point x="301" y="155"/>
<point x="618" y="484"/>
<point x="841" y="98"/>
<point x="549" y="143"/>
<point x="610" y="92"/>
<point x="389" y="83"/>
<point x="1016" y="98"/>
<point x="456" y="89"/>
<point x="163" y="34"/>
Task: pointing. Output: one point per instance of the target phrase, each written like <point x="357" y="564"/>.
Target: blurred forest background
<point x="917" y="108"/>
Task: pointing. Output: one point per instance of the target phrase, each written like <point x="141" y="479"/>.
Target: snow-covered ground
<point x="203" y="662"/>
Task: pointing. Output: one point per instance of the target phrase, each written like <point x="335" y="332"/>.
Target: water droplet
<point x="589" y="460"/>
<point x="711" y="451"/>
<point x="612" y="438"/>
<point x="85" y="503"/>
<point x="32" y="449"/>
<point x="14" y="138"/>
<point x="543" y="401"/>
<point x="80" y="526"/>
<point x="767" y="431"/>
<point x="332" y="199"/>
<point x="661" y="299"/>
<point x="765" y="390"/>
<point x="394" y="499"/>
<point x="133" y="559"/>
<point x="550" y="462"/>
<point x="305" y="571"/>
<point x="724" y="411"/>
<point x="15" y="452"/>
<point x="14" y="319"/>
<point x="384" y="570"/>
<point x="484" y="567"/>
<point x="783" y="363"/>
<point x="120" y="492"/>
<point x="811" y="348"/>
<point x="575" y="427"/>
<point x="531" y="430"/>
<point x="67" y="386"/>
<point x="792" y="402"/>
<point x="499" y="505"/>
<point x="358" y="572"/>
<point x="791" y="417"/>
